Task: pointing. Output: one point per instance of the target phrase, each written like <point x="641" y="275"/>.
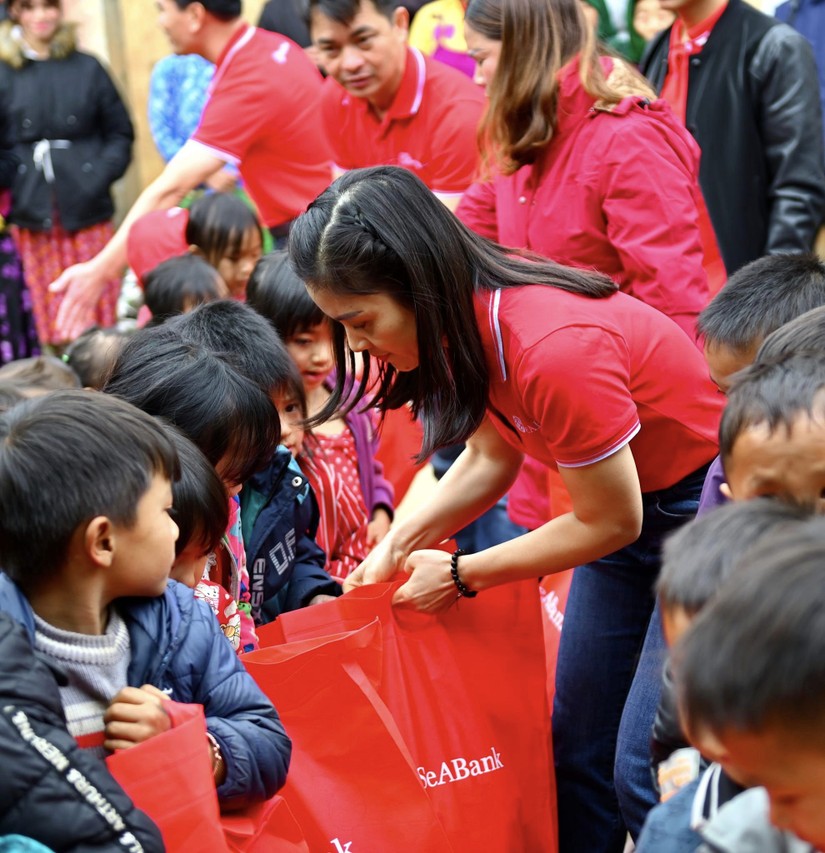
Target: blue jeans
<point x="608" y="680"/>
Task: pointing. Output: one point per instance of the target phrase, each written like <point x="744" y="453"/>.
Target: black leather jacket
<point x="43" y="794"/>
<point x="753" y="107"/>
<point x="71" y="100"/>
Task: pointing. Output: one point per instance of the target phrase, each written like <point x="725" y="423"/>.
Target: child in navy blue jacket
<point x="87" y="543"/>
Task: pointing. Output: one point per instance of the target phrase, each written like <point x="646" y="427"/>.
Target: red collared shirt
<point x="262" y="115"/>
<point x="575" y="379"/>
<point x="430" y="127"/>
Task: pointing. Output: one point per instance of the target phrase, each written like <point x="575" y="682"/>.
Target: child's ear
<point x="195" y="250"/>
<point x="724" y="489"/>
<point x="99" y="541"/>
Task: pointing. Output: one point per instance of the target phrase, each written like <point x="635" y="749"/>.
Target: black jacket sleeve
<point x="116" y="128"/>
<point x="8" y="159"/>
<point x="51" y="790"/>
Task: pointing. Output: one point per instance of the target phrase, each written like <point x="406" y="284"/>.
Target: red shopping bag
<point x="467" y="692"/>
<point x="265" y="828"/>
<point x="352" y="783"/>
<point x="170" y="778"/>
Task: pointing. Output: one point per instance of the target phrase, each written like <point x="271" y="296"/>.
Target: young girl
<point x="518" y="355"/>
<point x="348" y="444"/>
<point x="201" y="511"/>
<point x="218" y="227"/>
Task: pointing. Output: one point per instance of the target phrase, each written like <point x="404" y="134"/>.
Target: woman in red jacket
<point x="521" y="357"/>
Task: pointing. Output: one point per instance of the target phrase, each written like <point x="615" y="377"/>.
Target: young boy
<point x="87" y="544"/>
<point x="697" y="562"/>
<point x="752" y="680"/>
<point x="772" y="433"/>
<point x="757" y="300"/>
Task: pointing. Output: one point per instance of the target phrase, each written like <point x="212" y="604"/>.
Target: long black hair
<point x="380" y="230"/>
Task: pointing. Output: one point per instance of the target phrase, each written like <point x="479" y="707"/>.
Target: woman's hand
<point x="379" y="527"/>
<point x="135" y="715"/>
<point x="380" y="566"/>
<point x="430" y="588"/>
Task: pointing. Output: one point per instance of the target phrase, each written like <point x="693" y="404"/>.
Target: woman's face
<point x="38" y="19"/>
<point x="485" y="52"/>
<point x="376" y="323"/>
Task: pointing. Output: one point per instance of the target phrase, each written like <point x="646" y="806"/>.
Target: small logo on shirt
<point x="280" y="54"/>
<point x="522" y="427"/>
<point x="408" y="161"/>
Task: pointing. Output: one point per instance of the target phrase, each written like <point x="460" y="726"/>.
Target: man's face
<point x="177" y="23"/>
<point x="367" y="55"/>
<point x="791" y="768"/>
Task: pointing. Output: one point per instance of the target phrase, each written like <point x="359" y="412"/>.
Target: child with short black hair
<point x="348" y="444"/>
<point x="200" y="508"/>
<point x="758" y="299"/>
<point x="279" y="515"/>
<point x="39" y="374"/>
<point x="92" y="355"/>
<point x="751" y="684"/>
<point x="772" y="433"/>
<point x="698" y="560"/>
<point x="178" y="285"/>
<point x="87" y="543"/>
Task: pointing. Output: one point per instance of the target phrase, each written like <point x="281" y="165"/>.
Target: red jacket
<point x="615" y="191"/>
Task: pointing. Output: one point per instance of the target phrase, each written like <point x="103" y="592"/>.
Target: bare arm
<point x="476" y="480"/>
<point x="83" y="283"/>
<point x="606" y="516"/>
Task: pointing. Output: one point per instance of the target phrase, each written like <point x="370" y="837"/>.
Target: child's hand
<point x="320" y="599"/>
<point x="135" y="715"/>
<point x="379" y="527"/>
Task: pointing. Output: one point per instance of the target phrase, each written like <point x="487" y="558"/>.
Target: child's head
<point x="85" y="478"/>
<point x="179" y="284"/>
<point x="291" y="403"/>
<point x="772" y="434"/>
<point x="240" y="335"/>
<point x="700" y="556"/>
<point x="92" y="355"/>
<point x="10" y="395"/>
<point x="758" y="299"/>
<point x="200" y="509"/>
<point x="225" y="414"/>
<point x="277" y="293"/>
<point x="226" y="232"/>
<point x="38" y="375"/>
<point x="804" y="334"/>
<point x="751" y="677"/>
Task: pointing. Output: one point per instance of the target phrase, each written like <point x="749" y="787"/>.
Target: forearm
<point x="470" y="487"/>
<point x="563" y="543"/>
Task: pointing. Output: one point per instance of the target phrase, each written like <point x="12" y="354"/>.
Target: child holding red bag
<point x="87" y="544"/>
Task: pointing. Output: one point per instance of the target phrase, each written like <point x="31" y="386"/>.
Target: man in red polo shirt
<point x="386" y="104"/>
<point x="261" y="115"/>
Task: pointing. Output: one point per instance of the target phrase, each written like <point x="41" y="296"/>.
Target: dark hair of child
<point x="179" y="284"/>
<point x="42" y="498"/>
<point x="276" y="292"/>
<point x="10" y="395"/>
<point x="753" y="658"/>
<point x="237" y="333"/>
<point x="230" y="418"/>
<point x="804" y="334"/>
<point x="39" y="374"/>
<point x="700" y="556"/>
<point x="200" y="505"/>
<point x="775" y="394"/>
<point x="217" y="225"/>
<point x="92" y="355"/>
<point x="762" y="296"/>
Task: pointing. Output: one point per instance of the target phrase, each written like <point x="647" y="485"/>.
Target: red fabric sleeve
<point x="477" y="209"/>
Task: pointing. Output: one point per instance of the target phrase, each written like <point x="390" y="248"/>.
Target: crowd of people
<point x="569" y="246"/>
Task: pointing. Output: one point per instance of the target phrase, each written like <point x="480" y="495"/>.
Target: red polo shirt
<point x="574" y="379"/>
<point x="262" y="115"/>
<point x="430" y="127"/>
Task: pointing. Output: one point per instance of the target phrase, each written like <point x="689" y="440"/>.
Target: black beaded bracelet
<point x="463" y="591"/>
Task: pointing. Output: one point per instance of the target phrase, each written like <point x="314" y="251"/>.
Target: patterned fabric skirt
<point x="45" y="255"/>
<point x="18" y="338"/>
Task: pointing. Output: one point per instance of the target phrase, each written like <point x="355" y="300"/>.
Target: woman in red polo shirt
<point x="519" y="355"/>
